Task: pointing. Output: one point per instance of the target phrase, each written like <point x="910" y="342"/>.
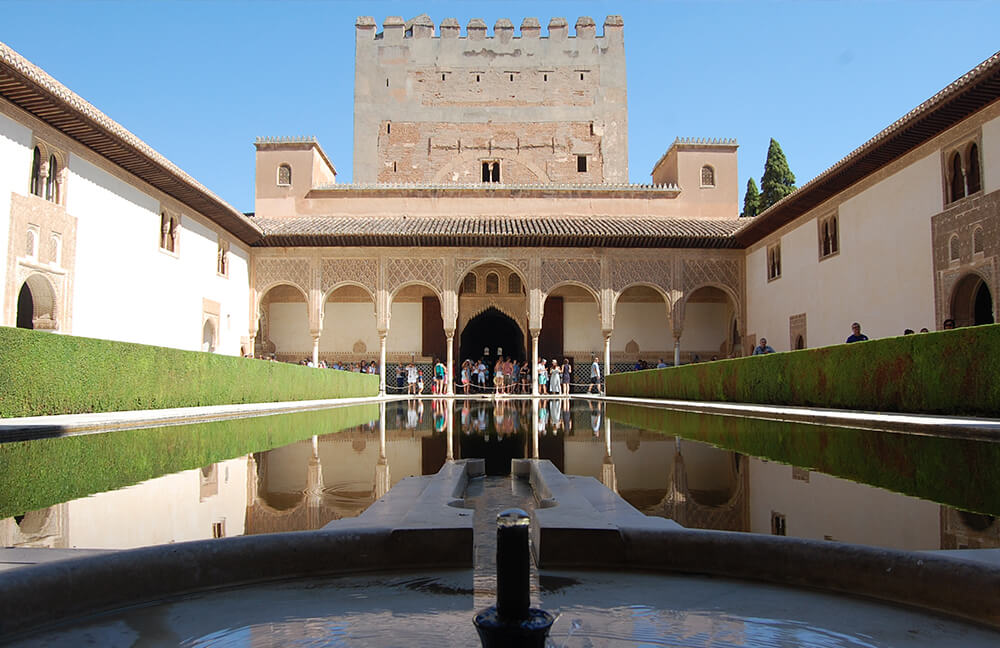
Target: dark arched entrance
<point x="983" y="308"/>
<point x="491" y="330"/>
<point x="972" y="302"/>
<point x="25" y="308"/>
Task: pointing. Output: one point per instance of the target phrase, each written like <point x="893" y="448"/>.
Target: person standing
<point x="856" y="334"/>
<point x="555" y="378"/>
<point x="411" y="378"/>
<point x="595" y="376"/>
<point x="543" y="377"/>
<point x="439" y="376"/>
<point x="567" y="375"/>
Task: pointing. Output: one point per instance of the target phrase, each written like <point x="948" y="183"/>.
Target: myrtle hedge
<point x="946" y="372"/>
<point x="47" y="373"/>
<point x="44" y="472"/>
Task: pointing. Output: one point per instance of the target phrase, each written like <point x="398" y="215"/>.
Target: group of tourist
<point x="855" y="336"/>
<point x="355" y="367"/>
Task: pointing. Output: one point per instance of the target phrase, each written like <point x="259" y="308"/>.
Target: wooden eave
<point x="961" y="99"/>
<point x="35" y="99"/>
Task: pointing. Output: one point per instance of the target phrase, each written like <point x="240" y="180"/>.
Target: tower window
<point x="545" y="77"/>
<point x="512" y="77"/>
<point x="581" y="163"/>
<point x="284" y="175"/>
<point x="51" y="187"/>
<point x="829" y="236"/>
<point x="36" y="172"/>
<point x="388" y="129"/>
<point x="707" y="176"/>
<point x="973" y="177"/>
<point x="581" y="76"/>
<point x="977" y="241"/>
<point x="953" y="251"/>
<point x="491" y="171"/>
<point x="777" y="524"/>
<point x="957" y="178"/>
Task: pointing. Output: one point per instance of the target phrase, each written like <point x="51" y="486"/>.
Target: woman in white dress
<point x="555" y="378"/>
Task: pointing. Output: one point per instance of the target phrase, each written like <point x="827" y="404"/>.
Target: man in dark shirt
<point x="856" y="334"/>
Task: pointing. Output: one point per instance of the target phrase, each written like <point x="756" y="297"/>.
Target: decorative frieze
<point x="658" y="272"/>
<point x="275" y="270"/>
<point x="363" y="271"/>
<point x="581" y="271"/>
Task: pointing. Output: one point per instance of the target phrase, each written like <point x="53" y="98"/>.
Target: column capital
<point x="607" y="333"/>
<point x="535" y="332"/>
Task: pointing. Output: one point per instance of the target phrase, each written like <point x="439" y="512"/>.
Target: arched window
<point x="514" y="283"/>
<point x="957" y="178"/>
<point x="31" y="244"/>
<point x="973" y="176"/>
<point x="774" y="262"/>
<point x="51" y="186"/>
<point x="36" y="172"/>
<point x="284" y="175"/>
<point x="492" y="283"/>
<point x="469" y="283"/>
<point x="707" y="176"/>
<point x="953" y="248"/>
<point x="977" y="241"/>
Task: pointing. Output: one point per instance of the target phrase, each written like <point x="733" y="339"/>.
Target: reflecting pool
<point x="300" y="471"/>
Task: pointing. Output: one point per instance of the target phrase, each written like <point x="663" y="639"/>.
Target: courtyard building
<point x="491" y="215"/>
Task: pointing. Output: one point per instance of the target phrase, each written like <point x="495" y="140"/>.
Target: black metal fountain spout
<point x="512" y="621"/>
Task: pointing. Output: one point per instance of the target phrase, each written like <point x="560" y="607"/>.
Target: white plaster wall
<point x="15" y="176"/>
<point x="160" y="510"/>
<point x="646" y="323"/>
<point x="288" y="328"/>
<point x="882" y="278"/>
<point x="845" y="510"/>
<point x="342" y="463"/>
<point x="706" y="326"/>
<point x="582" y="327"/>
<point x="991" y="155"/>
<point x="405" y="328"/>
<point x="126" y="289"/>
<point x="650" y="467"/>
<point x="346" y="323"/>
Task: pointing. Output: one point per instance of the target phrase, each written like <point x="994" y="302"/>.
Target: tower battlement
<point x="507" y="106"/>
<point x="394" y="28"/>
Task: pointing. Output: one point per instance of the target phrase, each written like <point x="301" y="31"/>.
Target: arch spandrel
<point x="271" y="271"/>
<point x="583" y="272"/>
<point x="655" y="273"/>
<point x="424" y="271"/>
<point x="361" y="272"/>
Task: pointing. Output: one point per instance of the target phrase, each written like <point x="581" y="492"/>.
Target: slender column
<point x="677" y="349"/>
<point x="450" y="391"/>
<point x="534" y="364"/>
<point x="316" y="349"/>
<point x="607" y="359"/>
<point x="381" y="363"/>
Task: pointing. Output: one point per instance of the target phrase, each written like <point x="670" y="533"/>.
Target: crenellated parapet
<point x="394" y="28"/>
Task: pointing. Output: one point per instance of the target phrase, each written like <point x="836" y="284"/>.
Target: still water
<point x="300" y="471"/>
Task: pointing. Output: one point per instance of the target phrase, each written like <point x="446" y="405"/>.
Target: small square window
<point x="581" y="163"/>
<point x="778" y="524"/>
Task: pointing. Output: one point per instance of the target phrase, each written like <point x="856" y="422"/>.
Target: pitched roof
<point x="498" y="231"/>
<point x="28" y="87"/>
<point x="966" y="95"/>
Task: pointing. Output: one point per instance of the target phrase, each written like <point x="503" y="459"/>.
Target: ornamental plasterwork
<point x="585" y="271"/>
<point x="402" y="271"/>
<point x="362" y="271"/>
<point x="948" y="279"/>
<point x="464" y="265"/>
<point x="273" y="270"/>
<point x="625" y="273"/>
<point x="720" y="272"/>
<point x="51" y="312"/>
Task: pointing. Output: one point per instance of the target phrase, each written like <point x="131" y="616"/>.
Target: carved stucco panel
<point x="402" y="271"/>
<point x="721" y="272"/>
<point x="585" y="271"/>
<point x="362" y="271"/>
<point x="272" y="270"/>
<point x="625" y="273"/>
<point x="463" y="265"/>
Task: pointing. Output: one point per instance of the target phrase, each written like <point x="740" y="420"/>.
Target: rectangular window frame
<point x="833" y="218"/>
<point x="773" y="248"/>
<point x="961" y="144"/>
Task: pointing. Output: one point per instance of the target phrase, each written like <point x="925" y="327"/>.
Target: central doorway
<point x="492" y="330"/>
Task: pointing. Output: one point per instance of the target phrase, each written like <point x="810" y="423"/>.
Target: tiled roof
<point x="965" y="96"/>
<point x="499" y="231"/>
<point x="28" y="87"/>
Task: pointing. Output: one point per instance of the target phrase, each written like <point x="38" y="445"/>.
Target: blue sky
<point x="198" y="81"/>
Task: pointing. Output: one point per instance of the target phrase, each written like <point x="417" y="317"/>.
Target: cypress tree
<point x="778" y="180"/>
<point x="751" y="200"/>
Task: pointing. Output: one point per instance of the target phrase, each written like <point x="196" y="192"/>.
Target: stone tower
<point x="527" y="109"/>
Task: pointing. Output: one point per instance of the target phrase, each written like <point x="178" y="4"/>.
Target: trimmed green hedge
<point x="46" y="373"/>
<point x="956" y="472"/>
<point x="41" y="473"/>
<point x="947" y="372"/>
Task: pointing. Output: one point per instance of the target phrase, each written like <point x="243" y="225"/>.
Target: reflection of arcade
<point x="708" y="492"/>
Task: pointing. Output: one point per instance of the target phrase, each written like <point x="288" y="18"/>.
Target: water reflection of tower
<point x="314" y="486"/>
<point x="608" y="476"/>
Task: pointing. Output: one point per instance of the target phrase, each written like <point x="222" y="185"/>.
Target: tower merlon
<point x="585" y="27"/>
